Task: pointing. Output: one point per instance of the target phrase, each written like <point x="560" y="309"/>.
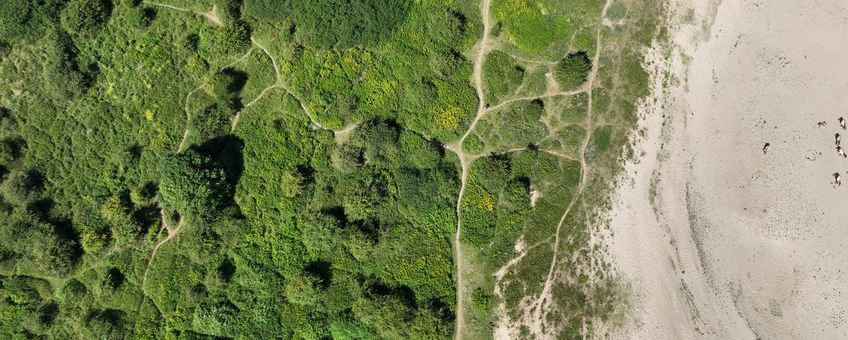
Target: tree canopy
<point x="191" y="182"/>
<point x="335" y="23"/>
<point x="573" y="70"/>
<point x="85" y="16"/>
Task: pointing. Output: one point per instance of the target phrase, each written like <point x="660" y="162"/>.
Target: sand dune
<point x="716" y="238"/>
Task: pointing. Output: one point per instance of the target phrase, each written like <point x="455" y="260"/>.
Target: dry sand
<point x="715" y="239"/>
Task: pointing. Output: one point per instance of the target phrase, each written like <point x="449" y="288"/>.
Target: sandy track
<point x="716" y="239"/>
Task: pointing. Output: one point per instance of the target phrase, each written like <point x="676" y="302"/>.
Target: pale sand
<point x="742" y="244"/>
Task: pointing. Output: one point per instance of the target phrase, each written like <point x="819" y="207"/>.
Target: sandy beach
<point x="714" y="238"/>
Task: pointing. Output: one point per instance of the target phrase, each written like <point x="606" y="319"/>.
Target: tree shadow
<point x="237" y="79"/>
<point x="405" y="294"/>
<point x="226" y="153"/>
<point x="227" y="269"/>
<point x="322" y="271"/>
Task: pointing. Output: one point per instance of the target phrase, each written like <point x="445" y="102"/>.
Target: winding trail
<point x="171" y="234"/>
<point x="545" y="299"/>
<point x="483" y="48"/>
<point x="456" y="147"/>
<point x="547" y="95"/>
<point x="282" y="84"/>
<point x="240" y="59"/>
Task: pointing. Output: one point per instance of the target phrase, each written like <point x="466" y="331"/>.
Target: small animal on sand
<point x="766" y="148"/>
<point x="841" y="152"/>
<point x="837" y="180"/>
<point x="822" y="123"/>
<point x="838" y="139"/>
<point x="843" y="123"/>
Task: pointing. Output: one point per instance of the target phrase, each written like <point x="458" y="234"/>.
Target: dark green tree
<point x="25" y="19"/>
<point x="106" y="324"/>
<point x="85" y="17"/>
<point x="110" y="281"/>
<point x="573" y="70"/>
<point x="142" y="17"/>
<point x="62" y="76"/>
<point x="118" y="213"/>
<point x="21" y="187"/>
<point x="191" y="182"/>
<point x="233" y="37"/>
<point x="54" y="255"/>
<point x="7" y="153"/>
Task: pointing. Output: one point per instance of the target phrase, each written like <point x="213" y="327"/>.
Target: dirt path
<point x="212" y="14"/>
<point x="587" y="125"/>
<point x="534" y="313"/>
<point x="171" y="234"/>
<point x="342" y="135"/>
<point x="240" y="59"/>
<point x="546" y="95"/>
<point x="477" y="77"/>
<point x="278" y="83"/>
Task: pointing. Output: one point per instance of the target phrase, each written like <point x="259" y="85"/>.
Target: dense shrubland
<point x="164" y="176"/>
<point x="272" y="223"/>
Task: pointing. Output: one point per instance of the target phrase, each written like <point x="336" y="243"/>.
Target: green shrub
<point x="124" y="228"/>
<point x="502" y="75"/>
<point x="301" y="290"/>
<point x="21" y="187"/>
<point x="142" y="17"/>
<point x="293" y="182"/>
<point x="573" y="70"/>
<point x="190" y="182"/>
<point x="215" y="318"/>
<point x="72" y="291"/>
<point x="21" y="20"/>
<point x="55" y="255"/>
<point x="62" y="76"/>
<point x="343" y="23"/>
<point x="481" y="300"/>
<point x="267" y="10"/>
<point x="85" y="17"/>
<point x="94" y="240"/>
<point x="419" y="152"/>
<point x="473" y="144"/>
<point x="233" y="37"/>
<point x="213" y="121"/>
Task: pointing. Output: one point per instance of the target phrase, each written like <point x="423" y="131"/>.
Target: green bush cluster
<point x="25" y="20"/>
<point x="502" y="76"/>
<point x="86" y="17"/>
<point x="63" y="78"/>
<point x="573" y="70"/>
<point x="192" y="182"/>
<point x="335" y="23"/>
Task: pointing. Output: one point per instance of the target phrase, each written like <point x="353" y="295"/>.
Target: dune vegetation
<point x="309" y="169"/>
